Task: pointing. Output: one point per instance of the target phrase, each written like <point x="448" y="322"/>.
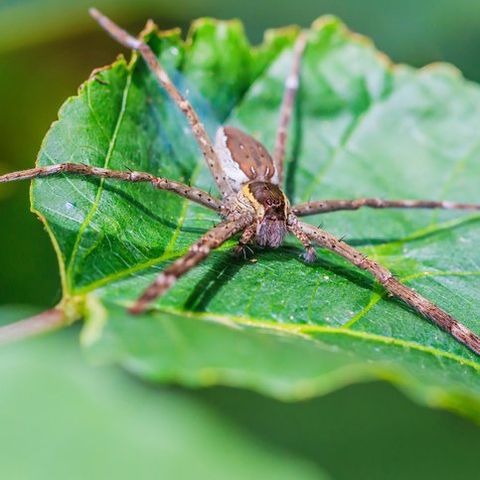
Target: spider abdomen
<point x="243" y="158"/>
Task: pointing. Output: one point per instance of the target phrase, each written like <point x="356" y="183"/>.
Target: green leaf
<point x="63" y="419"/>
<point x="363" y="128"/>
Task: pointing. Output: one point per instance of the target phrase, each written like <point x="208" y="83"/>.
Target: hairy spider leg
<point x="191" y="193"/>
<point x="244" y="240"/>
<point x="395" y="288"/>
<point x="200" y="250"/>
<point x="161" y="75"/>
<point x="291" y="87"/>
<point x="324" y="206"/>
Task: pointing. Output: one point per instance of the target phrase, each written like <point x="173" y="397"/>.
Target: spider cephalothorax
<point x="270" y="205"/>
<point x="252" y="202"/>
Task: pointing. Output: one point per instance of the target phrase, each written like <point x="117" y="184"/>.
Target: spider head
<point x="270" y="205"/>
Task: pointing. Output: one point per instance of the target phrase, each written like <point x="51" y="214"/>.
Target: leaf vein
<point x="96" y="203"/>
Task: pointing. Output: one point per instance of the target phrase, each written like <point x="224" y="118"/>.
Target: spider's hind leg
<point x="291" y="87"/>
<point x="393" y="286"/>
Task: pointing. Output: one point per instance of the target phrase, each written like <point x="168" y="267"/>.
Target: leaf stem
<point x="47" y="321"/>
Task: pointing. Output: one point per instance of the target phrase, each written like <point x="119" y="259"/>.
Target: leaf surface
<point x="363" y="127"/>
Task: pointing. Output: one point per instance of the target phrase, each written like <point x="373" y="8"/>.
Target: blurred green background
<point x="59" y="417"/>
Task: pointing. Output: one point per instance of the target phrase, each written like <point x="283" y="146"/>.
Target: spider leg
<point x="247" y="235"/>
<point x="393" y="286"/>
<point x="196" y="125"/>
<point x="193" y="194"/>
<point x="310" y="254"/>
<point x="196" y="253"/>
<point x="324" y="206"/>
<point x="290" y="92"/>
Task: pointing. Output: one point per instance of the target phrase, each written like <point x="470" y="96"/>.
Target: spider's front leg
<point x="391" y="284"/>
<point x="244" y="240"/>
<point x="196" y="253"/>
<point x="191" y="193"/>
<point x="183" y="104"/>
<point x="325" y="206"/>
<point x="293" y="227"/>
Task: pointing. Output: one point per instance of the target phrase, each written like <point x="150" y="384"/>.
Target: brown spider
<point x="252" y="202"/>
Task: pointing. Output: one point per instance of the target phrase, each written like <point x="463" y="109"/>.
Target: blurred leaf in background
<point x="64" y="419"/>
<point x="61" y="419"/>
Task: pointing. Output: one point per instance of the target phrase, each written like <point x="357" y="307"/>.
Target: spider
<point x="252" y="201"/>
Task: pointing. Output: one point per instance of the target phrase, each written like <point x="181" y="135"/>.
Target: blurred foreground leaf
<point x="62" y="419"/>
<point x="364" y="128"/>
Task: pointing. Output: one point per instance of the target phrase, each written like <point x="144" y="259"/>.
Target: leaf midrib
<point x="305" y="331"/>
